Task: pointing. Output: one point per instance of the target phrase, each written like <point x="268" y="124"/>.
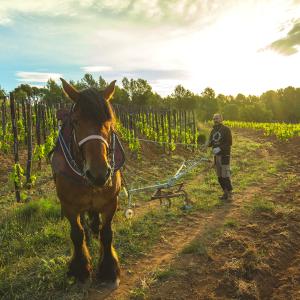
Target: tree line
<point x="281" y="105"/>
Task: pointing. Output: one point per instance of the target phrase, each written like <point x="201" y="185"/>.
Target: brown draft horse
<point x="92" y="122"/>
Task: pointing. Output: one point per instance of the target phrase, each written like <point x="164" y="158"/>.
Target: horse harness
<point x="63" y="161"/>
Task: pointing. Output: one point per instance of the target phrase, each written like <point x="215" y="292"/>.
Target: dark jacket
<point x="220" y="136"/>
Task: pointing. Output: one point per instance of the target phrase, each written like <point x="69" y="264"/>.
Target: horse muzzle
<point x="100" y="180"/>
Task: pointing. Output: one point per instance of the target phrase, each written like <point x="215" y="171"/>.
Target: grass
<point x="231" y="223"/>
<point x="286" y="183"/>
<point x="199" y="245"/>
<point x="160" y="274"/>
<point x="195" y="247"/>
<point x="133" y="239"/>
<point x="33" y="260"/>
<point x="138" y="293"/>
<point x="260" y="205"/>
<point x="36" y="248"/>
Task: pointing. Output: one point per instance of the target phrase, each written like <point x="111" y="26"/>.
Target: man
<point x="220" y="140"/>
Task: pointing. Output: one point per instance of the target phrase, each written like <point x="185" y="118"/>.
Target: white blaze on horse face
<point x="96" y="166"/>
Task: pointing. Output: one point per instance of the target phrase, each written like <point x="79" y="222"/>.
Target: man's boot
<point x="224" y="196"/>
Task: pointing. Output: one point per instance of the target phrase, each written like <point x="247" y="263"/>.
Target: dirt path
<point x="165" y="251"/>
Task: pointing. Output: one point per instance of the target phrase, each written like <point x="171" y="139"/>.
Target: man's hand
<point x="216" y="150"/>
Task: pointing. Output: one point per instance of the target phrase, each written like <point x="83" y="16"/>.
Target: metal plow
<point x="166" y="191"/>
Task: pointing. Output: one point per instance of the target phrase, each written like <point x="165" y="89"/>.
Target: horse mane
<point x="93" y="105"/>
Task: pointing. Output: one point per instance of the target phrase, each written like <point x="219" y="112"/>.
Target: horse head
<point x="92" y="120"/>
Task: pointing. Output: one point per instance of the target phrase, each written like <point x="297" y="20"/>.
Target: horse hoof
<point x="112" y="285"/>
<point x="81" y="276"/>
<point x="85" y="284"/>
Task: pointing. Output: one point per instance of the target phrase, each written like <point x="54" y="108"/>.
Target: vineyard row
<point x="282" y="131"/>
<point x="31" y="126"/>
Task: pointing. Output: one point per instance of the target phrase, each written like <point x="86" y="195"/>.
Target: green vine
<point x="17" y="175"/>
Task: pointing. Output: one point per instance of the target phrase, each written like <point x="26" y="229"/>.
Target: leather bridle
<point x="89" y="137"/>
<point x="68" y="152"/>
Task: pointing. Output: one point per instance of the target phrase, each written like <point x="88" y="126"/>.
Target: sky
<point x="232" y="46"/>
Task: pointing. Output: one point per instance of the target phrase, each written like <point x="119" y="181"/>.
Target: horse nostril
<point x="100" y="180"/>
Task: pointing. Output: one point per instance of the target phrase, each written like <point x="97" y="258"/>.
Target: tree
<point x="88" y="81"/>
<point x="22" y="92"/>
<point x="240" y="98"/>
<point x="209" y="93"/>
<point x="291" y="104"/>
<point x="207" y="104"/>
<point x="231" y="112"/>
<point x="271" y="101"/>
<point x="53" y="94"/>
<point x="102" y="84"/>
<point x="139" y="92"/>
<point x="183" y="98"/>
<point x="121" y="96"/>
<point x="2" y="92"/>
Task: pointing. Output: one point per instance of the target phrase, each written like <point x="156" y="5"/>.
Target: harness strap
<point x="68" y="156"/>
<point x="93" y="137"/>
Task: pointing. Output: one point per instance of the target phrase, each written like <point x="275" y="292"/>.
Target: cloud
<point x="37" y="76"/>
<point x="288" y="44"/>
<point x="158" y="74"/>
<point x="96" y="69"/>
<point x="4" y="21"/>
<point x="138" y="11"/>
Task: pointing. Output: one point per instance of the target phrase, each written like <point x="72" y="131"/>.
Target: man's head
<point x="217" y="118"/>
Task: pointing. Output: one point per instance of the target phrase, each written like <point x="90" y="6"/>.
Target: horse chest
<point x="98" y="200"/>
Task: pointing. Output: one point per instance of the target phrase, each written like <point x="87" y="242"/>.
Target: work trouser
<point x="222" y="167"/>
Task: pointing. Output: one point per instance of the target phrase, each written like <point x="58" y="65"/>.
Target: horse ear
<point x="70" y="90"/>
<point x="109" y="91"/>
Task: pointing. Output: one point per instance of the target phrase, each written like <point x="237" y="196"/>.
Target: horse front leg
<point x="109" y="268"/>
<point x="79" y="266"/>
<point x="94" y="223"/>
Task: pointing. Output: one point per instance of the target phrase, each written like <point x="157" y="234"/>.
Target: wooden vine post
<point x="24" y="118"/>
<point x="194" y="131"/>
<point x="175" y="125"/>
<point x="38" y="132"/>
<point x="156" y="127"/>
<point x="43" y="117"/>
<point x="29" y="144"/>
<point x="163" y="131"/>
<point x="3" y="109"/>
<point x="169" y="133"/>
<point x="17" y="178"/>
<point x="185" y="128"/>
